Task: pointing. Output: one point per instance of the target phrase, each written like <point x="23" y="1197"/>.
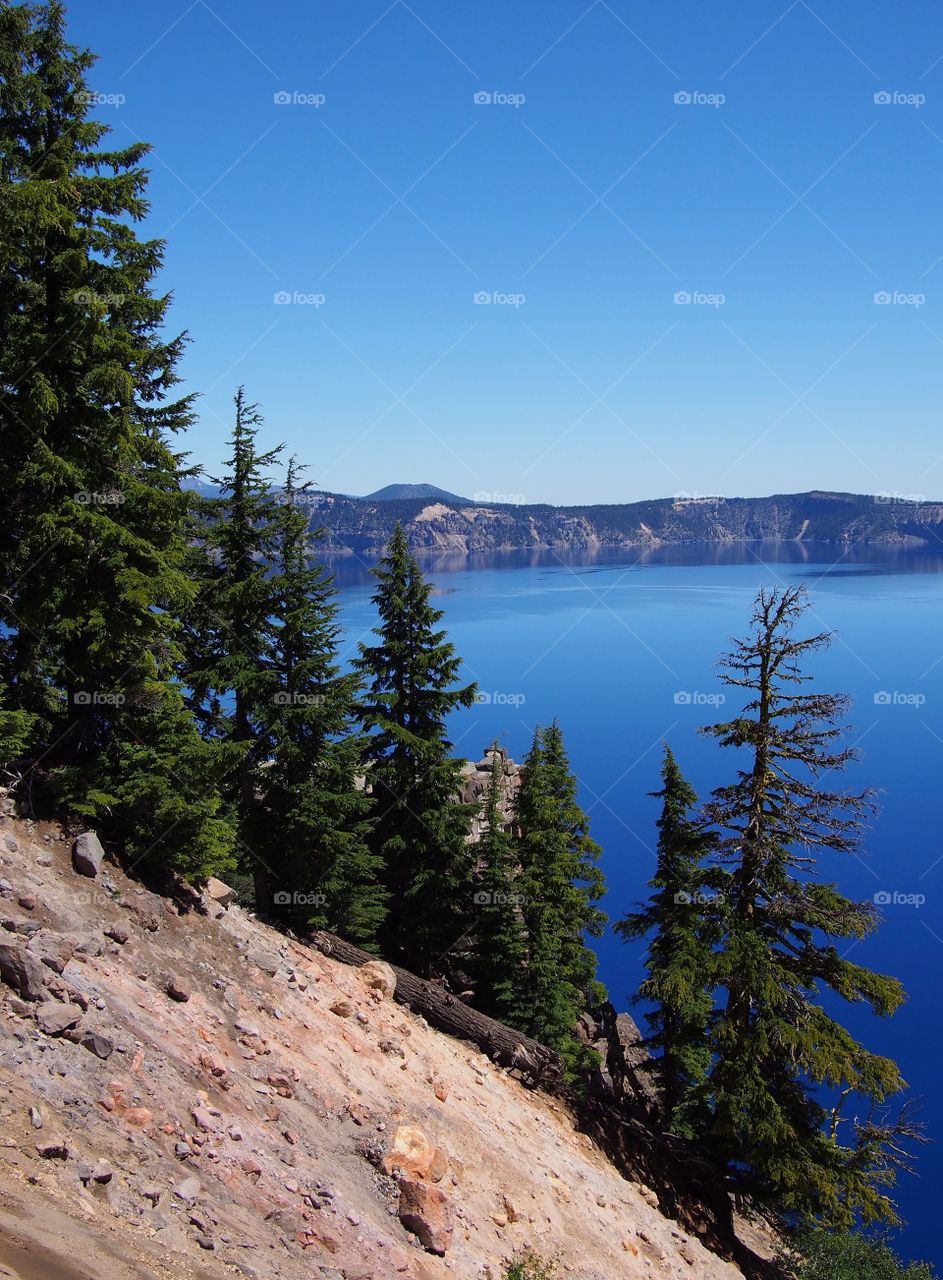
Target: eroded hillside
<point x="187" y="1093"/>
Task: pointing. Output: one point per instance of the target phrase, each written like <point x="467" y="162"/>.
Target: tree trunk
<point x="536" y="1064"/>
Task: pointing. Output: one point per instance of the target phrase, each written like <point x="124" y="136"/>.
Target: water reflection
<point x="825" y="559"/>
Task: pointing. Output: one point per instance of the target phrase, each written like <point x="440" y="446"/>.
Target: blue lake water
<point x="622" y="651"/>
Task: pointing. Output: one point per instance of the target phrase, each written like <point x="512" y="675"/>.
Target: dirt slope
<point x="224" y="1102"/>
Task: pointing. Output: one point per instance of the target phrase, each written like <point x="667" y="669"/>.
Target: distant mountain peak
<point x="397" y="492"/>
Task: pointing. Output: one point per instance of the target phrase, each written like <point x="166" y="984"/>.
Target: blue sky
<point x="781" y="197"/>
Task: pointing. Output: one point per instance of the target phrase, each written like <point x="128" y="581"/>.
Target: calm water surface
<point x="622" y="651"/>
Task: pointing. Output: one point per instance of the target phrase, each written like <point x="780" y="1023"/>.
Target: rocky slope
<point x="186" y="1093"/>
<point x="363" y="526"/>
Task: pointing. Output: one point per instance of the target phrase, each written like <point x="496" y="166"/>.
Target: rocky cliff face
<point x="186" y="1093"/>
<point x="364" y="527"/>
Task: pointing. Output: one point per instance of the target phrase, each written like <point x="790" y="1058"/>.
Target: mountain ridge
<point x="363" y="525"/>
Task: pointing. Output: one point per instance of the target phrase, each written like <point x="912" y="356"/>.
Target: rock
<point x="22" y="971"/>
<point x="424" y="1210"/>
<point x="54" y="950"/>
<point x="96" y="1043"/>
<point x="87" y="854"/>
<point x="220" y="893"/>
<point x="343" y="1008"/>
<point x="53" y="1018"/>
<point x="102" y="1173"/>
<point x="20" y="924"/>
<point x="265" y="961"/>
<point x="90" y="946"/>
<point x="36" y="1117"/>
<point x="27" y="901"/>
<point x="411" y="1153"/>
<point x="53" y="1149"/>
<point x="176" y="990"/>
<point x="204" y="1120"/>
<point x="378" y="976"/>
<point x="118" y="933"/>
<point x="440" y="1165"/>
<point x="188" y="1190"/>
<point x="137" y="1117"/>
<point x="151" y="1192"/>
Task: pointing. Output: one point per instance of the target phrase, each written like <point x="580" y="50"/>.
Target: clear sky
<point x="777" y="194"/>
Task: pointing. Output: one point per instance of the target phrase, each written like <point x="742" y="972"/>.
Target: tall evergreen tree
<point x="500" y="940"/>
<point x="313" y="812"/>
<point x="681" y="917"/>
<point x="774" y="1044"/>
<point x="421" y="830"/>
<point x="560" y="883"/>
<point x="93" y="543"/>
<point x="230" y="633"/>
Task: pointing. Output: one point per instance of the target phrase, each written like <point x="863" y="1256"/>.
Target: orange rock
<point x="424" y="1210"/>
<point x="409" y="1152"/>
<point x="138" y="1117"/>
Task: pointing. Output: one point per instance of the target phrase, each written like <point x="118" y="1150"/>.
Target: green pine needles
<point x="746" y="941"/>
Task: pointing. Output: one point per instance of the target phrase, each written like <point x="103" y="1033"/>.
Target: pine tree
<point x="230" y="633"/>
<point x="500" y="941"/>
<point x="559" y="883"/>
<point x="421" y="830"/>
<point x="93" y="541"/>
<point x="681" y="916"/>
<point x="313" y="812"/>
<point x="774" y="1044"/>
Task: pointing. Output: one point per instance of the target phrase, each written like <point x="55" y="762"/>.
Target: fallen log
<point x="534" y="1062"/>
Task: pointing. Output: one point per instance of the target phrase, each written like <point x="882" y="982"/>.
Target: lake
<point x="622" y="650"/>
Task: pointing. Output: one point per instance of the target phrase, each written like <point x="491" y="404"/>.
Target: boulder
<point x="188" y="1190"/>
<point x="424" y="1210"/>
<point x="176" y="990"/>
<point x="87" y="854"/>
<point x="54" y="950"/>
<point x="96" y="1043"/>
<point x="220" y="893"/>
<point x="411" y="1154"/>
<point x="21" y="971"/>
<point x="53" y="1018"/>
<point x="378" y="976"/>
